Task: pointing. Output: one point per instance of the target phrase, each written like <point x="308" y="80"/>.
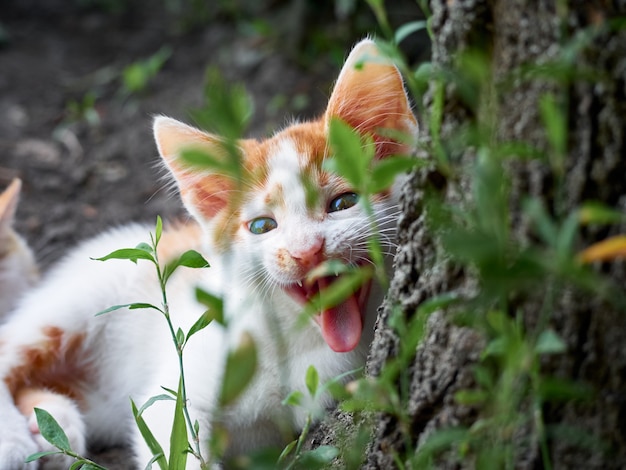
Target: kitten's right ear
<point x="203" y="192"/>
<point x="8" y="204"/>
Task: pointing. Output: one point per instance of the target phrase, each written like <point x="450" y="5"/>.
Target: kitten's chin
<point x="341" y="326"/>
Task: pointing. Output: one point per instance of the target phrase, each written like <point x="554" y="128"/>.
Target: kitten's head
<point x="18" y="270"/>
<point x="268" y="218"/>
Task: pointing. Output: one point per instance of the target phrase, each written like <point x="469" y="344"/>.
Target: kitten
<point x="54" y="354"/>
<point x="18" y="270"/>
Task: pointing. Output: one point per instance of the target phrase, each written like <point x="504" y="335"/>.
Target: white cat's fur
<point x="107" y="359"/>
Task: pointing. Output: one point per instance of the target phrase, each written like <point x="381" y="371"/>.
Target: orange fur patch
<point x="178" y="239"/>
<point x="57" y="363"/>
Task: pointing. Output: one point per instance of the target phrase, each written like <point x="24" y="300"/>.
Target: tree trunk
<point x="571" y="54"/>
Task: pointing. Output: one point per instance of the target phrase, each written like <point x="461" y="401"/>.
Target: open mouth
<point x="340" y="304"/>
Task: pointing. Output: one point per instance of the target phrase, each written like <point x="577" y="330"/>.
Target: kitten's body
<point x="54" y="348"/>
<point x="18" y="270"/>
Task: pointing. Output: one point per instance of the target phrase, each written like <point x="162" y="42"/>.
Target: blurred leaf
<point x="555" y="389"/>
<point x="549" y="342"/>
<point x="228" y="107"/>
<point x="295" y="398"/>
<point x="340" y="290"/>
<point x="351" y="157"/>
<point x="239" y="370"/>
<point x="312" y="380"/>
<point x="136" y="76"/>
<point x="407" y="29"/>
<point x="594" y="212"/>
<point x="179" y="442"/>
<point x="51" y="431"/>
<point x="386" y="170"/>
<point x="286" y="451"/>
<point x="555" y="121"/>
<point x="606" y="250"/>
<point x="215" y="307"/>
<point x="317" y="458"/>
<point x="546" y="228"/>
<point x="150" y="440"/>
<point x="471" y="397"/>
<point x="38" y="455"/>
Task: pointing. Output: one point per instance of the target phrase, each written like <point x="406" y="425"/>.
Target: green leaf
<point x="153" y="400"/>
<point x="312" y="380"/>
<point x="352" y="156"/>
<point x="133" y="306"/>
<point x="205" y="320"/>
<point x="180" y="337"/>
<point x="179" y="442"/>
<point x="555" y="121"/>
<point x="407" y="29"/>
<point x="295" y="398"/>
<point x="189" y="259"/>
<point x="437" y="303"/>
<point x="386" y="170"/>
<point x="131" y="254"/>
<point x="549" y="342"/>
<point x="318" y="457"/>
<point x="340" y="289"/>
<point x="158" y="230"/>
<point x="595" y="212"/>
<point x="51" y="431"/>
<point x="38" y="455"/>
<point x="153" y="444"/>
<point x="471" y="397"/>
<point x="287" y="450"/>
<point x="215" y="305"/>
<point x="239" y="371"/>
<point x="192" y="259"/>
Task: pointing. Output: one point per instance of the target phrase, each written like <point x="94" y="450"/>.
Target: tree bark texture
<point x="516" y="33"/>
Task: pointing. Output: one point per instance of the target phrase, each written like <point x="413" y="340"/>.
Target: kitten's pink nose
<point x="311" y="256"/>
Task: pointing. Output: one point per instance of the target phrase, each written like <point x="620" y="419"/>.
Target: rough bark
<point x="517" y="33"/>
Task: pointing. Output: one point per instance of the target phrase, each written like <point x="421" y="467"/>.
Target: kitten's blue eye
<point x="262" y="225"/>
<point x="343" y="201"/>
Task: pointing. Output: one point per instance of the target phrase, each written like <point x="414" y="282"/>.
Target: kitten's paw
<point x="66" y="413"/>
<point x="15" y="448"/>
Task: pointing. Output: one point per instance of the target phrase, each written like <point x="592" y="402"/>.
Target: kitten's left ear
<point x="8" y="204"/>
<point x="369" y="95"/>
<point x="203" y="192"/>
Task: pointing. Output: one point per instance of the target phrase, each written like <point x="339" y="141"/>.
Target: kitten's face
<point x="301" y="216"/>
<point x="288" y="215"/>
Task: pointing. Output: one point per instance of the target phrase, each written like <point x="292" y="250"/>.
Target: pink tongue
<point x="341" y="325"/>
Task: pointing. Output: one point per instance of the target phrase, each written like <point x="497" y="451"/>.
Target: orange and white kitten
<point x="18" y="270"/>
<point x="55" y="354"/>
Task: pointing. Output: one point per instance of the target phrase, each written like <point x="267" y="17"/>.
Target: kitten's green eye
<point x="343" y="201"/>
<point x="262" y="225"/>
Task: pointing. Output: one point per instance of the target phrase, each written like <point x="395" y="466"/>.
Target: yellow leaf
<point x="606" y="250"/>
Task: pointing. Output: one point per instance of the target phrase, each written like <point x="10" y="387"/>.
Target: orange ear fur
<point x="204" y="193"/>
<point x="369" y="95"/>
